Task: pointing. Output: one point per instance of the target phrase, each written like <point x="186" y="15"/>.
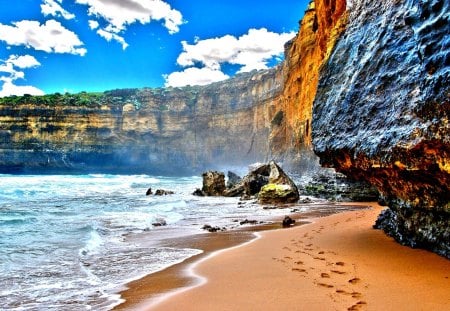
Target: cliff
<point x="174" y="131"/>
<point x="381" y="114"/>
<point x="290" y="140"/>
<point x="250" y="118"/>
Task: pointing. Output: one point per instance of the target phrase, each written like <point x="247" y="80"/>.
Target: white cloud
<point x="119" y="14"/>
<point x="251" y="51"/>
<point x="25" y="61"/>
<point x="54" y="8"/>
<point x="93" y="24"/>
<point x="50" y="37"/>
<point x="10" y="88"/>
<point x="194" y="76"/>
<point x="10" y="74"/>
<point x="108" y="35"/>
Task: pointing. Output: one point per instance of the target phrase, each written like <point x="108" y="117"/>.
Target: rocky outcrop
<point x="290" y="136"/>
<point x="213" y="183"/>
<point x="280" y="189"/>
<point x="381" y="113"/>
<point x="172" y="131"/>
<point x="334" y="186"/>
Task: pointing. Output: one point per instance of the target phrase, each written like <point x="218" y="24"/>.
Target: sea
<point x="71" y="242"/>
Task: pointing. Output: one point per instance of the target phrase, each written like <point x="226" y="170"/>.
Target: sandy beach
<point x="337" y="262"/>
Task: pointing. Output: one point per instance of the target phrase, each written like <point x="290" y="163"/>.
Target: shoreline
<point x="337" y="262"/>
<point x="181" y="277"/>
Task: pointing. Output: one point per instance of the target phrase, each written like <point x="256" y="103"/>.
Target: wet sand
<point x="336" y="263"/>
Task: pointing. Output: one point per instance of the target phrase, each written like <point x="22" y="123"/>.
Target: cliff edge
<point x="381" y="113"/>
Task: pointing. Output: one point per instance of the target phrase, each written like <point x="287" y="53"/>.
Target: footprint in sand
<point x="354" y="281"/>
<point x="299" y="270"/>
<point x="338" y="272"/>
<point x="340" y="263"/>
<point x="299" y="262"/>
<point x="321" y="253"/>
<point x="325" y="285"/>
<point x="324" y="275"/>
<point x="357" y="306"/>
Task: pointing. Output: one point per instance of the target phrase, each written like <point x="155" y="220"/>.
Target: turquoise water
<point x="71" y="242"/>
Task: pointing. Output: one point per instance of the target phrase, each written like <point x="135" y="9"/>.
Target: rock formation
<point x="280" y="188"/>
<point x="173" y="131"/>
<point x="376" y="71"/>
<point x="213" y="183"/>
<point x="382" y="109"/>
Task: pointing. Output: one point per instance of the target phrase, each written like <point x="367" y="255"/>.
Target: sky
<point x="49" y="46"/>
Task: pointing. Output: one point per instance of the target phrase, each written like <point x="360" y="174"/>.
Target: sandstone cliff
<point x="290" y="140"/>
<point x="174" y="131"/>
<point x="252" y="117"/>
<point x="382" y="109"/>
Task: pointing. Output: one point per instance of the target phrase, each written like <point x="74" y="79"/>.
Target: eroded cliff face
<point x="290" y="139"/>
<point x="175" y="131"/>
<point x="381" y="113"/>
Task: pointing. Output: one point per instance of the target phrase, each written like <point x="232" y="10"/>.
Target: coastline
<point x="337" y="262"/>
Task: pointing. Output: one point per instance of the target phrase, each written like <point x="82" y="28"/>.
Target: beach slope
<point x="335" y="263"/>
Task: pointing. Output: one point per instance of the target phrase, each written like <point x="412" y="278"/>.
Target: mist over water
<point x="73" y="241"/>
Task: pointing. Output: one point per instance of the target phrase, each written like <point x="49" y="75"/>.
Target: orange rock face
<point x="323" y="22"/>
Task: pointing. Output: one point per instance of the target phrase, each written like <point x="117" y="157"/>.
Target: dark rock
<point x="163" y="192"/>
<point x="210" y="228"/>
<point x="248" y="222"/>
<point x="335" y="186"/>
<point x="424" y="228"/>
<point x="198" y="192"/>
<point x="381" y="114"/>
<point x="252" y="183"/>
<point x="213" y="183"/>
<point x="288" y="221"/>
<point x="305" y="200"/>
<point x="159" y="223"/>
<point x="149" y="191"/>
<point x="280" y="189"/>
<point x="233" y="179"/>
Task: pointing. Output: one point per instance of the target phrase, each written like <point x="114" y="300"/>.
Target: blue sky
<point x="49" y="46"/>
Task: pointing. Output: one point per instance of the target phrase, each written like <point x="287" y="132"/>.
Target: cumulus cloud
<point x="54" y="8"/>
<point x="50" y="37"/>
<point x="194" y="76"/>
<point x="119" y="14"/>
<point x="9" y="72"/>
<point x="253" y="50"/>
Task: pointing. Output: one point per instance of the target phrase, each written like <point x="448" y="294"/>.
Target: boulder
<point x="163" y="192"/>
<point x="288" y="221"/>
<point x="233" y="179"/>
<point x="198" y="192"/>
<point x="280" y="188"/>
<point x="251" y="184"/>
<point x="213" y="183"/>
<point x="149" y="191"/>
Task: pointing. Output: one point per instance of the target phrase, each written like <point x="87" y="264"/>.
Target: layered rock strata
<point x="381" y="113"/>
<point x="174" y="131"/>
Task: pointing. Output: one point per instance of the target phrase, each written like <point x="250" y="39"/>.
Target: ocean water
<point x="71" y="242"/>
